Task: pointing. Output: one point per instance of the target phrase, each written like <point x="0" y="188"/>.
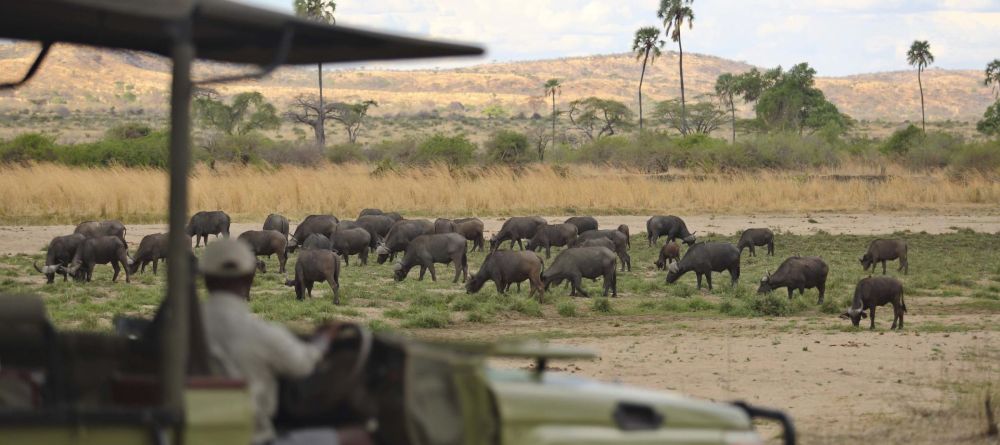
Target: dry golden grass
<point x="59" y="194"/>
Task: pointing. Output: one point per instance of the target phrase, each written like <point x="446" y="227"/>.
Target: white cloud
<point x="835" y="36"/>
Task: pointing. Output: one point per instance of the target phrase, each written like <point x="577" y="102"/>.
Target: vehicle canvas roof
<point x="222" y="31"/>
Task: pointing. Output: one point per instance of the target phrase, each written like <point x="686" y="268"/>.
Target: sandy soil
<point x="30" y="239"/>
<point x="836" y="384"/>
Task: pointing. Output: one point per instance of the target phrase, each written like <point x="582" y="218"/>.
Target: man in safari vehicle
<point x="242" y="346"/>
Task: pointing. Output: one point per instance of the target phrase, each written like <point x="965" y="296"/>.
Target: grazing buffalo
<point x="278" y="223"/>
<point x="444" y="225"/>
<point x="93" y="229"/>
<point x="623" y="228"/>
<point x="583" y="262"/>
<point x="59" y="254"/>
<point x="267" y="243"/>
<point x="152" y="249"/>
<point x="347" y="242"/>
<point x="368" y="212"/>
<point x="314" y="265"/>
<point x="321" y="224"/>
<point x="472" y="229"/>
<point x="506" y="267"/>
<point x="99" y="250"/>
<point x="204" y="223"/>
<point x="669" y="253"/>
<point x="394" y="216"/>
<point x="582" y="223"/>
<point x="377" y="226"/>
<point x="671" y="227"/>
<point x="705" y="258"/>
<point x="425" y="250"/>
<point x="876" y="291"/>
<point x="400" y="235"/>
<point x="516" y="229"/>
<point x="797" y="273"/>
<point x="620" y="240"/>
<point x="756" y="238"/>
<point x="882" y="250"/>
<point x="560" y="235"/>
<point x="597" y="242"/>
<point x="317" y="242"/>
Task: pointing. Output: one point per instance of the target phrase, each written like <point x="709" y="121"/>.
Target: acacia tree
<point x="320" y="11"/>
<point x="552" y="88"/>
<point x="920" y="56"/>
<point x="703" y="117"/>
<point x="993" y="76"/>
<point x="646" y="47"/>
<point x="306" y="110"/>
<point x="247" y="112"/>
<point x="674" y="13"/>
<point x="727" y="86"/>
<point x="596" y="117"/>
<point x="351" y="116"/>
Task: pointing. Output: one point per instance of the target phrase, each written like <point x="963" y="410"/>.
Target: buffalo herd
<point x="587" y="251"/>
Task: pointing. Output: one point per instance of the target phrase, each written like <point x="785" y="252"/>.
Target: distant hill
<point x="84" y="79"/>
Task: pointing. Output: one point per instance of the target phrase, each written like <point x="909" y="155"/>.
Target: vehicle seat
<point x="28" y="344"/>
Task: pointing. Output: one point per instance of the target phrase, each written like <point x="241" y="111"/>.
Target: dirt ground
<point x="31" y="239"/>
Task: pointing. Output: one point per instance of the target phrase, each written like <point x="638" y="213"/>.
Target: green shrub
<point x="29" y="147"/>
<point x="982" y="157"/>
<point x="602" y="305"/>
<point x="144" y="151"/>
<point x="463" y="303"/>
<point x="507" y="147"/>
<point x="770" y="304"/>
<point x="902" y="140"/>
<point x="128" y="130"/>
<point x="566" y="309"/>
<point x="700" y="304"/>
<point x="526" y="306"/>
<point x="344" y="153"/>
<point x="453" y="150"/>
<point x="426" y="318"/>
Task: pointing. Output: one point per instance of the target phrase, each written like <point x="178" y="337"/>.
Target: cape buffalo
<point x="583" y="262"/>
<point x="670" y="226"/>
<point x="705" y="258"/>
<point x="582" y="223"/>
<point x="267" y="243"/>
<point x="59" y="254"/>
<point x="317" y="242"/>
<point x="516" y="229"/>
<point x="756" y="237"/>
<point x="472" y="230"/>
<point x="444" y="225"/>
<point x="505" y="267"/>
<point x="597" y="242"/>
<point x="347" y="242"/>
<point x="316" y="265"/>
<point x="400" y="235"/>
<point x="394" y="216"/>
<point x="377" y="226"/>
<point x="99" y="250"/>
<point x="797" y="273"/>
<point x="620" y="240"/>
<point x="876" y="291"/>
<point x="277" y="222"/>
<point x="560" y="235"/>
<point x="882" y="250"/>
<point x="152" y="249"/>
<point x="321" y="224"/>
<point x="92" y="229"/>
<point x="425" y="250"/>
<point x="203" y="224"/>
<point x="670" y="252"/>
<point x="623" y="228"/>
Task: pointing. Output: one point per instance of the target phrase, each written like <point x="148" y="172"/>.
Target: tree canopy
<point x="247" y="112"/>
<point x="596" y="117"/>
<point x="794" y="103"/>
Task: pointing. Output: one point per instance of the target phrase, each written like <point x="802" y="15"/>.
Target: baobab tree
<point x="320" y="11"/>
<point x="920" y="56"/>
<point x="646" y="47"/>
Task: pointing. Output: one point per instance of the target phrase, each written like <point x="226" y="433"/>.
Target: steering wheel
<point x="321" y="397"/>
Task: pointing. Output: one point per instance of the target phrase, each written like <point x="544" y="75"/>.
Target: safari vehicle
<point x="154" y="383"/>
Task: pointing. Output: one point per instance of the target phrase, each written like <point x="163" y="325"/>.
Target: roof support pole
<point x="174" y="348"/>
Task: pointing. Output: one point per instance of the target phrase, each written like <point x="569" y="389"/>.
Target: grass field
<point x="48" y="194"/>
<point x="963" y="267"/>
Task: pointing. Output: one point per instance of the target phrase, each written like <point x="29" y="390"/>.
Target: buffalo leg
<point x="501" y="286"/>
<point x="770" y="248"/>
<point x="114" y="265"/>
<point x="753" y="252"/>
<point x="698" y="276"/>
<point x="895" y="316"/>
<point x="128" y="275"/>
<point x="822" y="291"/>
<point x="363" y="256"/>
<point x="708" y="277"/>
<point x="883" y="267"/>
<point x="309" y="289"/>
<point x="577" y="284"/>
<point x="422" y="270"/>
<point x="548" y="252"/>
<point x="335" y="286"/>
<point x="871" y="315"/>
<point x="904" y="266"/>
<point x="791" y="292"/>
<point x="519" y="244"/>
<point x="282" y="259"/>
<point x="433" y="273"/>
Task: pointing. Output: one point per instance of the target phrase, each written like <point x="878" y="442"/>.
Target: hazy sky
<point x="837" y="37"/>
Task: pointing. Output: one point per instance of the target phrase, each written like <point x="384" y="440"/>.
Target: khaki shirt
<point x="248" y="348"/>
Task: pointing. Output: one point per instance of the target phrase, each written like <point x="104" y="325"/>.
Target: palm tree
<point x="646" y="46"/>
<point x="674" y="13"/>
<point x="993" y="76"/>
<point x="920" y="56"/>
<point x="727" y="86"/>
<point x="320" y="11"/>
<point x="552" y="88"/>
